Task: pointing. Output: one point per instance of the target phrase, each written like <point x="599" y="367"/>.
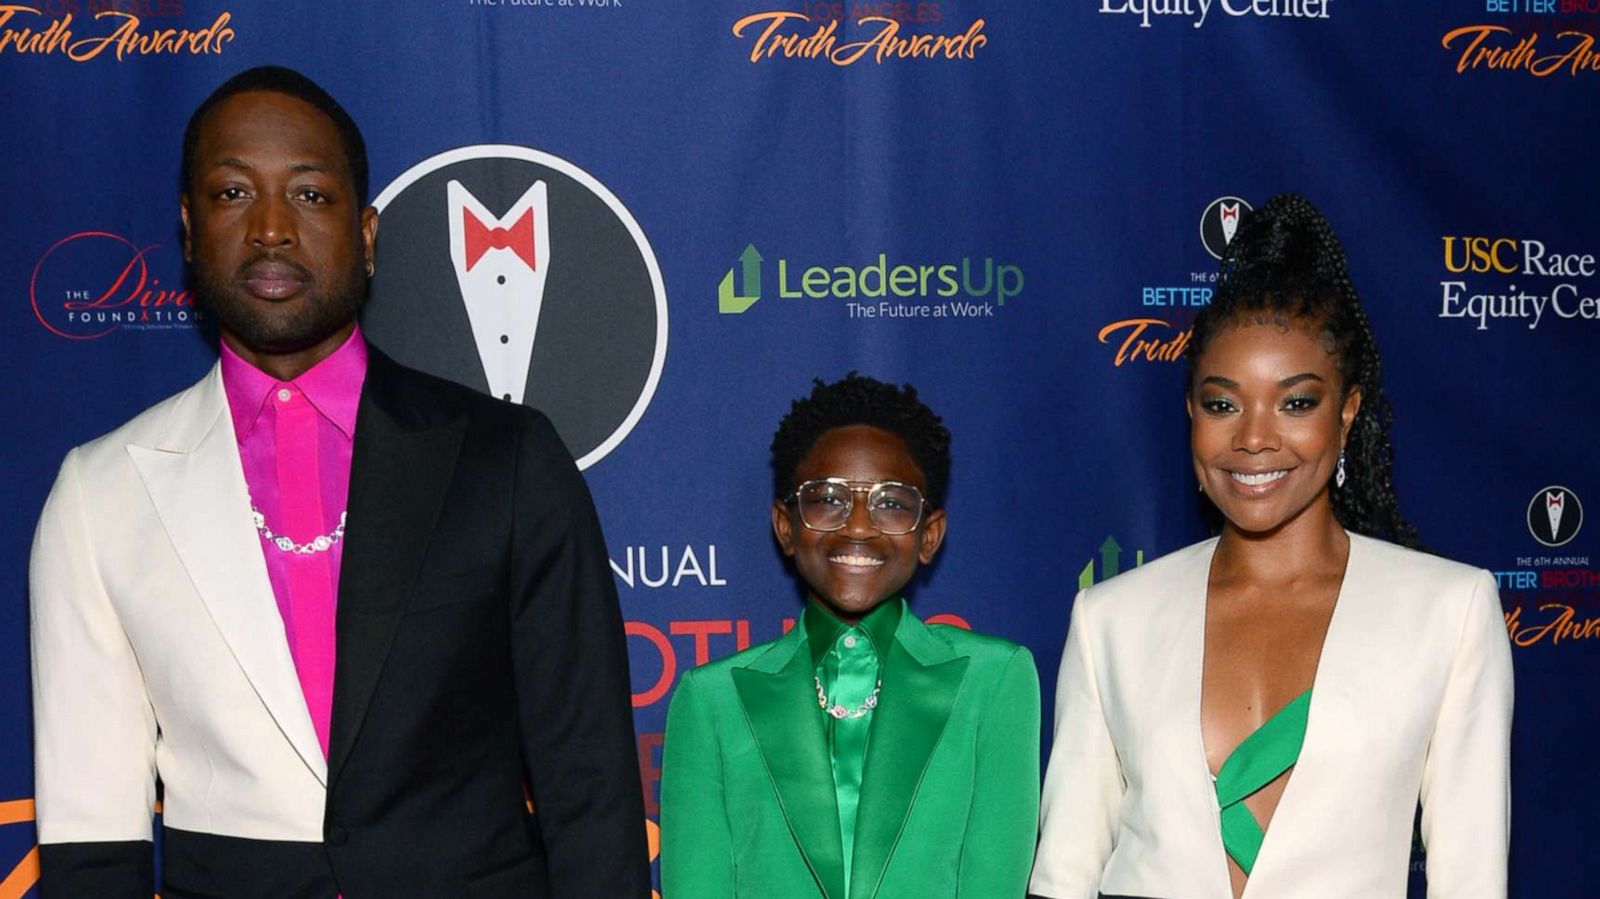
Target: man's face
<point x="272" y="228"/>
<point x="854" y="569"/>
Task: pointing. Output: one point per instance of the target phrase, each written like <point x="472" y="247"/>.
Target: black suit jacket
<point x="481" y="663"/>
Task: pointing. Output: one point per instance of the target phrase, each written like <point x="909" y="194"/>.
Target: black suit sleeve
<point x="100" y="870"/>
<point x="571" y="668"/>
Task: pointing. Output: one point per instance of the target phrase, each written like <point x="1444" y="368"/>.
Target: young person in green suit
<point x="864" y="754"/>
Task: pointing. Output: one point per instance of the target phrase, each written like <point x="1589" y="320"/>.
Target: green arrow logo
<point x="1110" y="563"/>
<point x="730" y="303"/>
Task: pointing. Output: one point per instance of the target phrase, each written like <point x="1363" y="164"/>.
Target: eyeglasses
<point x="825" y="504"/>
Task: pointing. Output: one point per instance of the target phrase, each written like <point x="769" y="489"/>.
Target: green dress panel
<point x="1270" y="750"/>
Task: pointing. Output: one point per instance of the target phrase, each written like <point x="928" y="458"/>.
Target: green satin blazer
<point x="949" y="795"/>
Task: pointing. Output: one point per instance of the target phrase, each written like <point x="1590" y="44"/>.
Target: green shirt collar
<point x="823" y="628"/>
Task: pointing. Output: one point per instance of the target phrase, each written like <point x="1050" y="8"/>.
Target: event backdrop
<point x="1015" y="206"/>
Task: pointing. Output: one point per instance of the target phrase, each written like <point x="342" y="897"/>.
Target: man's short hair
<point x="279" y="80"/>
<point x="859" y="400"/>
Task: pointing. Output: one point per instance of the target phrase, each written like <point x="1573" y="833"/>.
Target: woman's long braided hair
<point x="1286" y="267"/>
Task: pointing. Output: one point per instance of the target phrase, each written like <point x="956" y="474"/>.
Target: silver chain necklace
<point x="318" y="544"/>
<point x="838" y="711"/>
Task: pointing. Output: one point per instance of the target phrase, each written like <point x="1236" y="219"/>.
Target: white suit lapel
<point x="1338" y="668"/>
<point x="196" y="481"/>
<point x="1200" y="811"/>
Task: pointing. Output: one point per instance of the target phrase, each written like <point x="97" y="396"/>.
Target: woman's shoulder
<point x="1400" y="563"/>
<point x="1409" y="580"/>
<point x="1158" y="581"/>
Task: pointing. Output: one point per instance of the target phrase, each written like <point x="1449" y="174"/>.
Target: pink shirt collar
<point x="333" y="386"/>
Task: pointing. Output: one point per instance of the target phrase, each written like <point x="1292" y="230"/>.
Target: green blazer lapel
<point x="776" y="692"/>
<point x="922" y="679"/>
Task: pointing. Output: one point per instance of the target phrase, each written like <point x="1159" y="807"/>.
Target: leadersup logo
<point x="1200" y="10"/>
<point x="1165" y="337"/>
<point x="1529" y="261"/>
<point x="1110" y="563"/>
<point x="94" y="282"/>
<point x="967" y="288"/>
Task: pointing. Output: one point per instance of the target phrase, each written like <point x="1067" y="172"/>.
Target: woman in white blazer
<point x="1260" y="714"/>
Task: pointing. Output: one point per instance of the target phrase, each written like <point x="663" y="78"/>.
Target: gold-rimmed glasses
<point x="825" y="504"/>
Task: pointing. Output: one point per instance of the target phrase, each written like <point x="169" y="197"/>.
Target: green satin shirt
<point x="848" y="662"/>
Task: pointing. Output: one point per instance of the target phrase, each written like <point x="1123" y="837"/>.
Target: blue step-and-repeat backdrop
<point x="1014" y="205"/>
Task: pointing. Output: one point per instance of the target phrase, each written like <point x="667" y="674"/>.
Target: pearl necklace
<point x="838" y="711"/>
<point x="317" y="544"/>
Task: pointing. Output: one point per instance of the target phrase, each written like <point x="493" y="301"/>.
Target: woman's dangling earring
<point x="1338" y="476"/>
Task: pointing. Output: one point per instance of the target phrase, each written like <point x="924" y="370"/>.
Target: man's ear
<point x="932" y="536"/>
<point x="369" y="237"/>
<point x="783" y="527"/>
<point x="188" y="241"/>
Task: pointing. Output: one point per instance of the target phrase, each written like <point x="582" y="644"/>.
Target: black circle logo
<point x="1219" y="222"/>
<point x="1554" y="516"/>
<point x="517" y="273"/>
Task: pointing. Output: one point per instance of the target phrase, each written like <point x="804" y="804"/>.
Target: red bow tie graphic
<point x="518" y="238"/>
<point x="1230" y="212"/>
<point x="1554" y="500"/>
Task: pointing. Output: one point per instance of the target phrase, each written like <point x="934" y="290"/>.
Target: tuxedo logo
<point x="513" y="271"/>
<point x="503" y="293"/>
<point x="1554" y="516"/>
<point x="1220" y="222"/>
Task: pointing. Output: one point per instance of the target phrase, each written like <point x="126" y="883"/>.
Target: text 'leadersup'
<point x="1198" y="10"/>
<point x="879" y="279"/>
<point x="1524" y="258"/>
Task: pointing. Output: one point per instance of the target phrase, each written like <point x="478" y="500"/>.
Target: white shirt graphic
<point x="501" y="263"/>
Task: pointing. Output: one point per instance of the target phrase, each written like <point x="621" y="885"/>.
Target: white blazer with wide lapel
<point x="177" y="569"/>
<point x="1412" y="696"/>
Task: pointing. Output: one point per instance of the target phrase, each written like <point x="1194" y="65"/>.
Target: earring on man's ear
<point x="370" y="268"/>
<point x="1338" y="475"/>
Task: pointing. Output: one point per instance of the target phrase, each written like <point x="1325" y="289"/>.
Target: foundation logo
<point x="1497" y="279"/>
<point x="845" y="33"/>
<point x="1197" y="13"/>
<point x="1554" y="516"/>
<point x="1163" y="331"/>
<point x="92" y="283"/>
<point x="967" y="287"/>
<point x="115" y="29"/>
<point x="515" y="272"/>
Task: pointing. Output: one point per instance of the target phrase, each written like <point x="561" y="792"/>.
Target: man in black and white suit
<point x="380" y="723"/>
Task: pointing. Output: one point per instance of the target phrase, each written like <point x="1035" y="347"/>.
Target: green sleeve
<point x="696" y="847"/>
<point x="998" y="850"/>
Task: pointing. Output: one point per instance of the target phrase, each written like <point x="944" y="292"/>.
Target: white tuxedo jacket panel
<point x="1412" y="699"/>
<point x="158" y="645"/>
